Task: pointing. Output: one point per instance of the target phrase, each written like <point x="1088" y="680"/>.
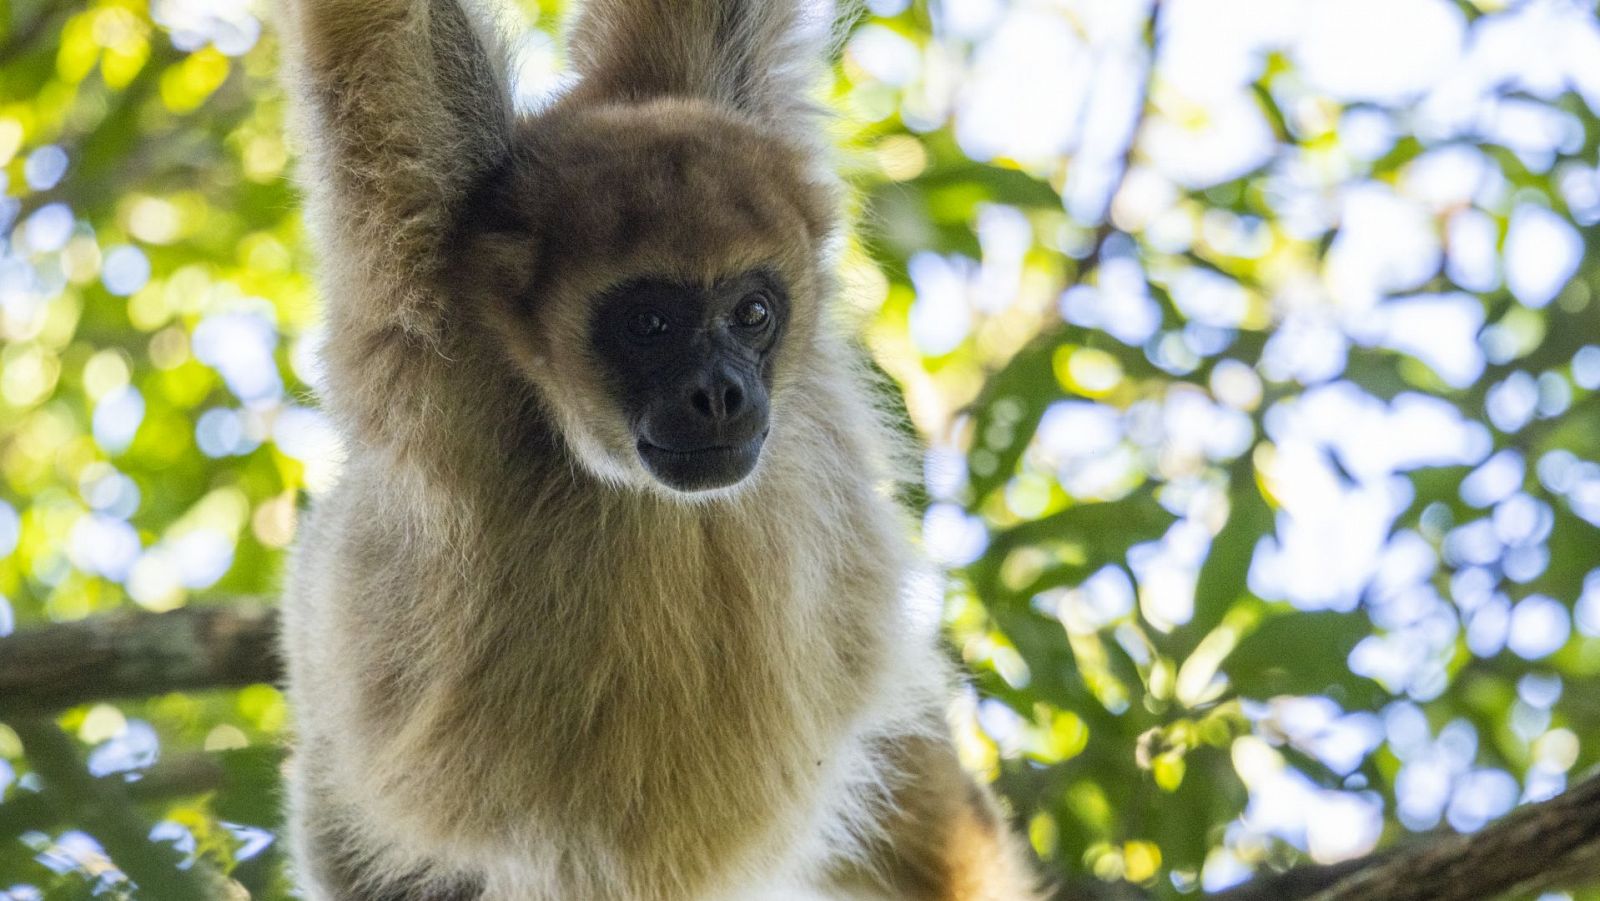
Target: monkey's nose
<point x="718" y="396"/>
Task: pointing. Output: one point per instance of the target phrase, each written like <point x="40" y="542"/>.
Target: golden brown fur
<point x="522" y="670"/>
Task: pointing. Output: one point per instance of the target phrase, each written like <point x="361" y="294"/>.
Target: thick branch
<point x="1552" y="844"/>
<point x="1301" y="882"/>
<point x="140" y="655"/>
<point x="1535" y="847"/>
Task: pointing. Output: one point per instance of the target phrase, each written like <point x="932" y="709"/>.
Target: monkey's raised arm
<point x="756" y="56"/>
<point x="402" y="107"/>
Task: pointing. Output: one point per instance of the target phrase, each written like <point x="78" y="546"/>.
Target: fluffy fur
<point x="521" y="669"/>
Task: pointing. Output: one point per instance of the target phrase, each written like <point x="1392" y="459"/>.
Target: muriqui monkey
<point x="608" y="602"/>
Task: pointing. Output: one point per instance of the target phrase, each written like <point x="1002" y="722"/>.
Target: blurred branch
<point x="1301" y="882"/>
<point x="18" y="38"/>
<point x="1090" y="889"/>
<point x="103" y="807"/>
<point x="190" y="774"/>
<point x="112" y="152"/>
<point x="1104" y="229"/>
<point x="1539" y="846"/>
<point x="126" y="656"/>
<point x="1555" y="843"/>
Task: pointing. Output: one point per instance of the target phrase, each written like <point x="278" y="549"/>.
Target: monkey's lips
<point x="702" y="468"/>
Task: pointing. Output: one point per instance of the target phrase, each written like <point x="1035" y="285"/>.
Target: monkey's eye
<point x="754" y="312"/>
<point x="647" y="324"/>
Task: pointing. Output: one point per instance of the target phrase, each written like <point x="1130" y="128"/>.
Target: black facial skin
<point x="692" y="367"/>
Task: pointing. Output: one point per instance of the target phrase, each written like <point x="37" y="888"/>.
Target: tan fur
<point x="942" y="838"/>
<point x="521" y="669"/>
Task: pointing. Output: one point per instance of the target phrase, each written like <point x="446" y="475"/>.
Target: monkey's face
<point x="655" y="271"/>
<point x="691" y="369"/>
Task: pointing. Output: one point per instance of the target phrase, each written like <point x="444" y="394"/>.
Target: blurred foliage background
<point x="1253" y="344"/>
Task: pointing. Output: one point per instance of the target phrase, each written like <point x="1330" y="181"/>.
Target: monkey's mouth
<point x="701" y="468"/>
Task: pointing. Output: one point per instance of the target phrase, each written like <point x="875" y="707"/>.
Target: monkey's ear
<point x="760" y="57"/>
<point x="496" y="244"/>
<point x="500" y="267"/>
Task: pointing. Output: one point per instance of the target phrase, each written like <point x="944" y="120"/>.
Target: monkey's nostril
<point x="718" y="399"/>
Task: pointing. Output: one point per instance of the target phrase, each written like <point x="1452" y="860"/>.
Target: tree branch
<point x="191" y="774"/>
<point x="104" y="807"/>
<point x="1301" y="882"/>
<point x="139" y="655"/>
<point x="19" y="39"/>
<point x="1556" y="842"/>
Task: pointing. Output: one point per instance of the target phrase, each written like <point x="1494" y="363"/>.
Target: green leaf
<point x="250" y="789"/>
<point x="1297" y="653"/>
<point x="1222" y="578"/>
<point x="1008" y="412"/>
<point x="1103" y="531"/>
<point x="1436" y="484"/>
<point x="1574" y="545"/>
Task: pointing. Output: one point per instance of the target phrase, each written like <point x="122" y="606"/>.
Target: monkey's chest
<point x="679" y="736"/>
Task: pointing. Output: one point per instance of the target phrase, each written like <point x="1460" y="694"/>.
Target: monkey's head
<point x="655" y="271"/>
